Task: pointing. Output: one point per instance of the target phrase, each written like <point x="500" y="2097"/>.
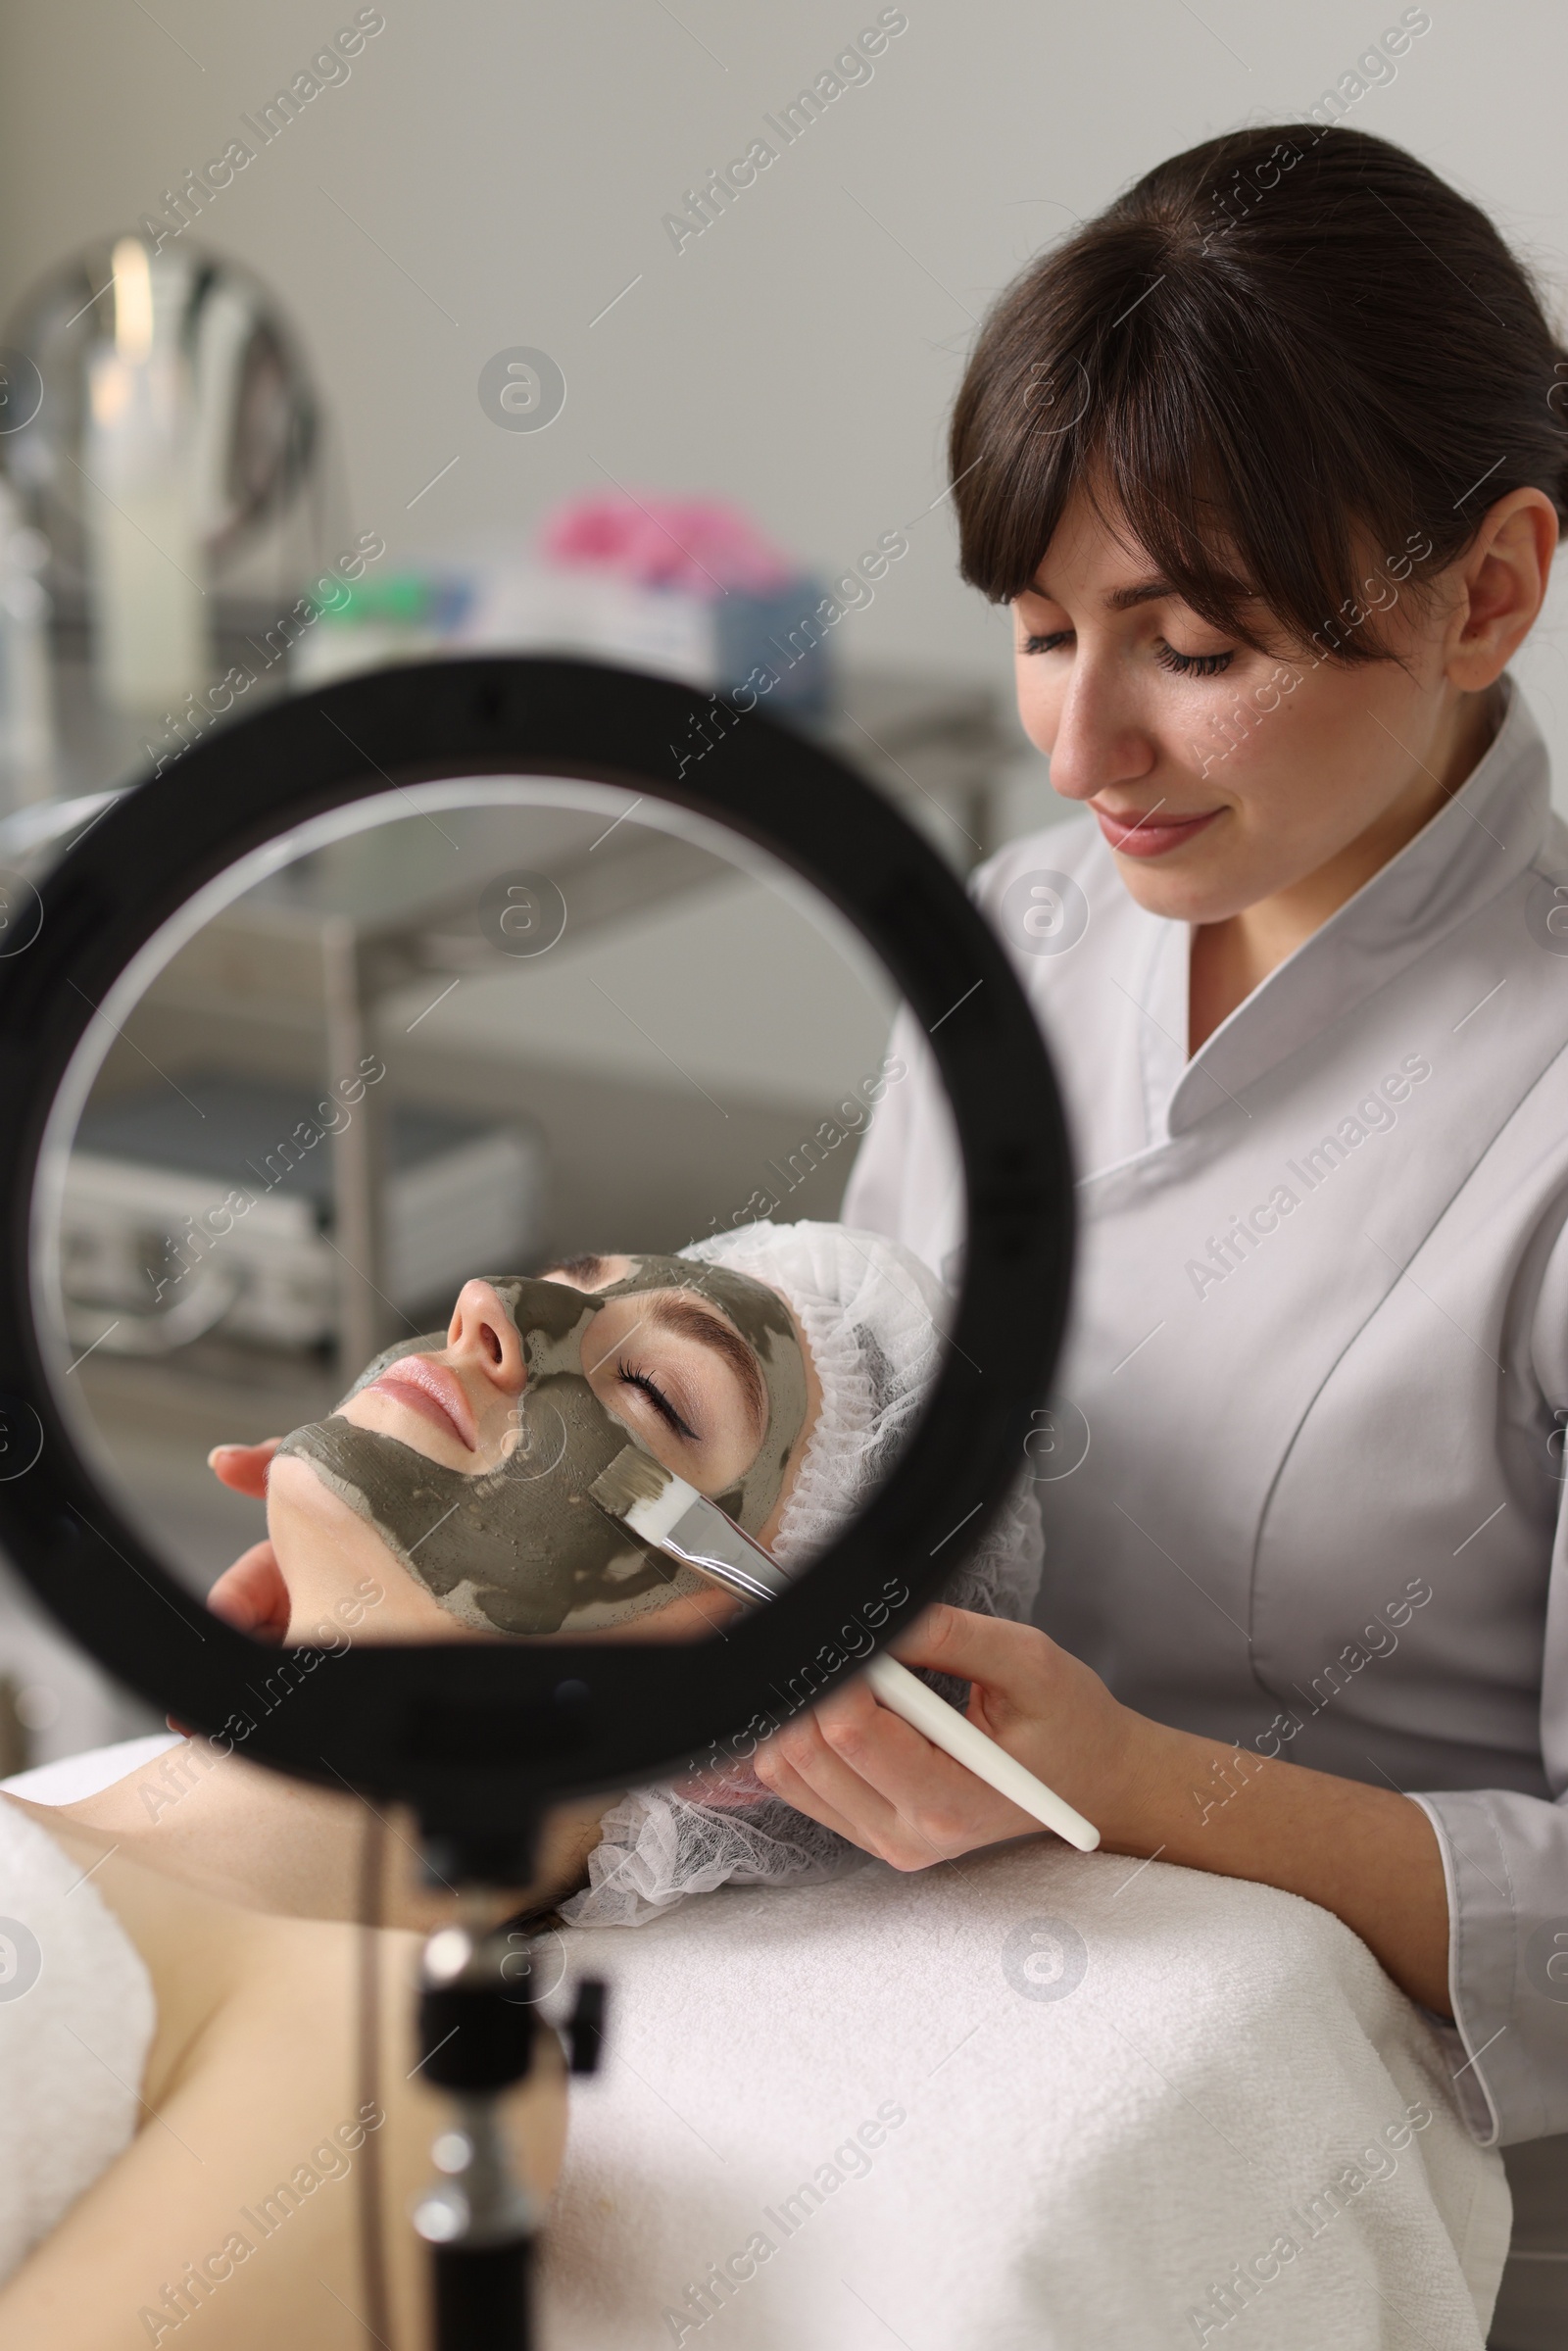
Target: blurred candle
<point x="26" y="692"/>
<point x="148" y="605"/>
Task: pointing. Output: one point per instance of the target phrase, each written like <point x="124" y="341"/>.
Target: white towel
<point x="77" y="2018"/>
<point x="1040" y="2101"/>
<point x="70" y="1777"/>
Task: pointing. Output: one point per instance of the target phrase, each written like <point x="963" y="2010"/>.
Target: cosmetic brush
<point x="651" y="1501"/>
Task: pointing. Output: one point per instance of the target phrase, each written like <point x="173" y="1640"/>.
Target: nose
<point x="483" y="1334"/>
<point x="1097" y="742"/>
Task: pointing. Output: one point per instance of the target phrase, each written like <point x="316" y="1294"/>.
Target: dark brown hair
<point x="1275" y="352"/>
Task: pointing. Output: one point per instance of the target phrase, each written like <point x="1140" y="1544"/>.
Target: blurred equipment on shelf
<point x="686" y="587"/>
<point x="165" y="436"/>
<point x="172" y="483"/>
<point x="177" y="1224"/>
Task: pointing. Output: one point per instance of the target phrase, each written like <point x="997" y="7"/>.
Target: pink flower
<point x="701" y="545"/>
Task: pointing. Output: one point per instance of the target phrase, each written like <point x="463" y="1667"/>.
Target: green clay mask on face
<point x="520" y="1549"/>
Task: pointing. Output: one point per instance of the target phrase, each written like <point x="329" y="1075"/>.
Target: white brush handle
<point x="904" y="1694"/>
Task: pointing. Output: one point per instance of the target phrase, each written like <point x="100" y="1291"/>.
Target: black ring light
<point x="483" y="1732"/>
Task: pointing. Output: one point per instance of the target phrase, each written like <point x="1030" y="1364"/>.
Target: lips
<point x="1150" y="836"/>
<point x="433" y="1392"/>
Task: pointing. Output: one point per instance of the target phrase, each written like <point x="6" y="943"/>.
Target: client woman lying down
<point x="776" y="1370"/>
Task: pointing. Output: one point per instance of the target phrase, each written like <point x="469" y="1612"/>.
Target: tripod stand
<point x="478" y="2021"/>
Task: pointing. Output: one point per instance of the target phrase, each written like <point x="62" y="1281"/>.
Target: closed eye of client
<point x="657" y="1399"/>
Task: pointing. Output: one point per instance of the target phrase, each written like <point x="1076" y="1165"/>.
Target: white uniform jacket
<point x="1303" y="1474"/>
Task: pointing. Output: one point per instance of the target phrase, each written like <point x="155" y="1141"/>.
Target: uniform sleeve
<point x="1505" y="1860"/>
<point x="1505" y="1855"/>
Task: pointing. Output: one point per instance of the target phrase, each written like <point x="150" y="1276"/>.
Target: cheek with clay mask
<point x="520" y="1549"/>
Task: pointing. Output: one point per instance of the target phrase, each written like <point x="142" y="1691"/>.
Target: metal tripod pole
<point x="477" y="2026"/>
<point x="478" y="2219"/>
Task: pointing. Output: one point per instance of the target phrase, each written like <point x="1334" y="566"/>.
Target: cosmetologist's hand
<point x="862" y="1770"/>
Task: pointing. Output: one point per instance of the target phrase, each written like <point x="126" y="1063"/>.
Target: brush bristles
<point x="632" y="1477"/>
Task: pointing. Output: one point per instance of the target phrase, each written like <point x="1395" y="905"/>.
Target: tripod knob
<point x="474" y="2035"/>
<point x="585" y="2027"/>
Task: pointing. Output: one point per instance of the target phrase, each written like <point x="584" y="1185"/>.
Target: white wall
<point x="510" y="165"/>
<point x="745" y="991"/>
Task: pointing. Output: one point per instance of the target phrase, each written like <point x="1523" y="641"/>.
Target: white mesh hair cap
<point x="873" y="1318"/>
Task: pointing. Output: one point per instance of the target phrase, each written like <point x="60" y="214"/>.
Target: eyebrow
<point x="1119" y="600"/>
<point x="686" y="1318"/>
<point x="580" y="1269"/>
<point x="1142" y="591"/>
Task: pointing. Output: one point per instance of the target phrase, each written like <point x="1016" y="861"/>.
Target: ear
<point x="1503" y="578"/>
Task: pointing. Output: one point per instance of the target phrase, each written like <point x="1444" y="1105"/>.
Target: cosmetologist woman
<point x="1270" y="462"/>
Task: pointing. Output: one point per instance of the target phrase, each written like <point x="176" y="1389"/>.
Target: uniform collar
<point x="1481" y="840"/>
